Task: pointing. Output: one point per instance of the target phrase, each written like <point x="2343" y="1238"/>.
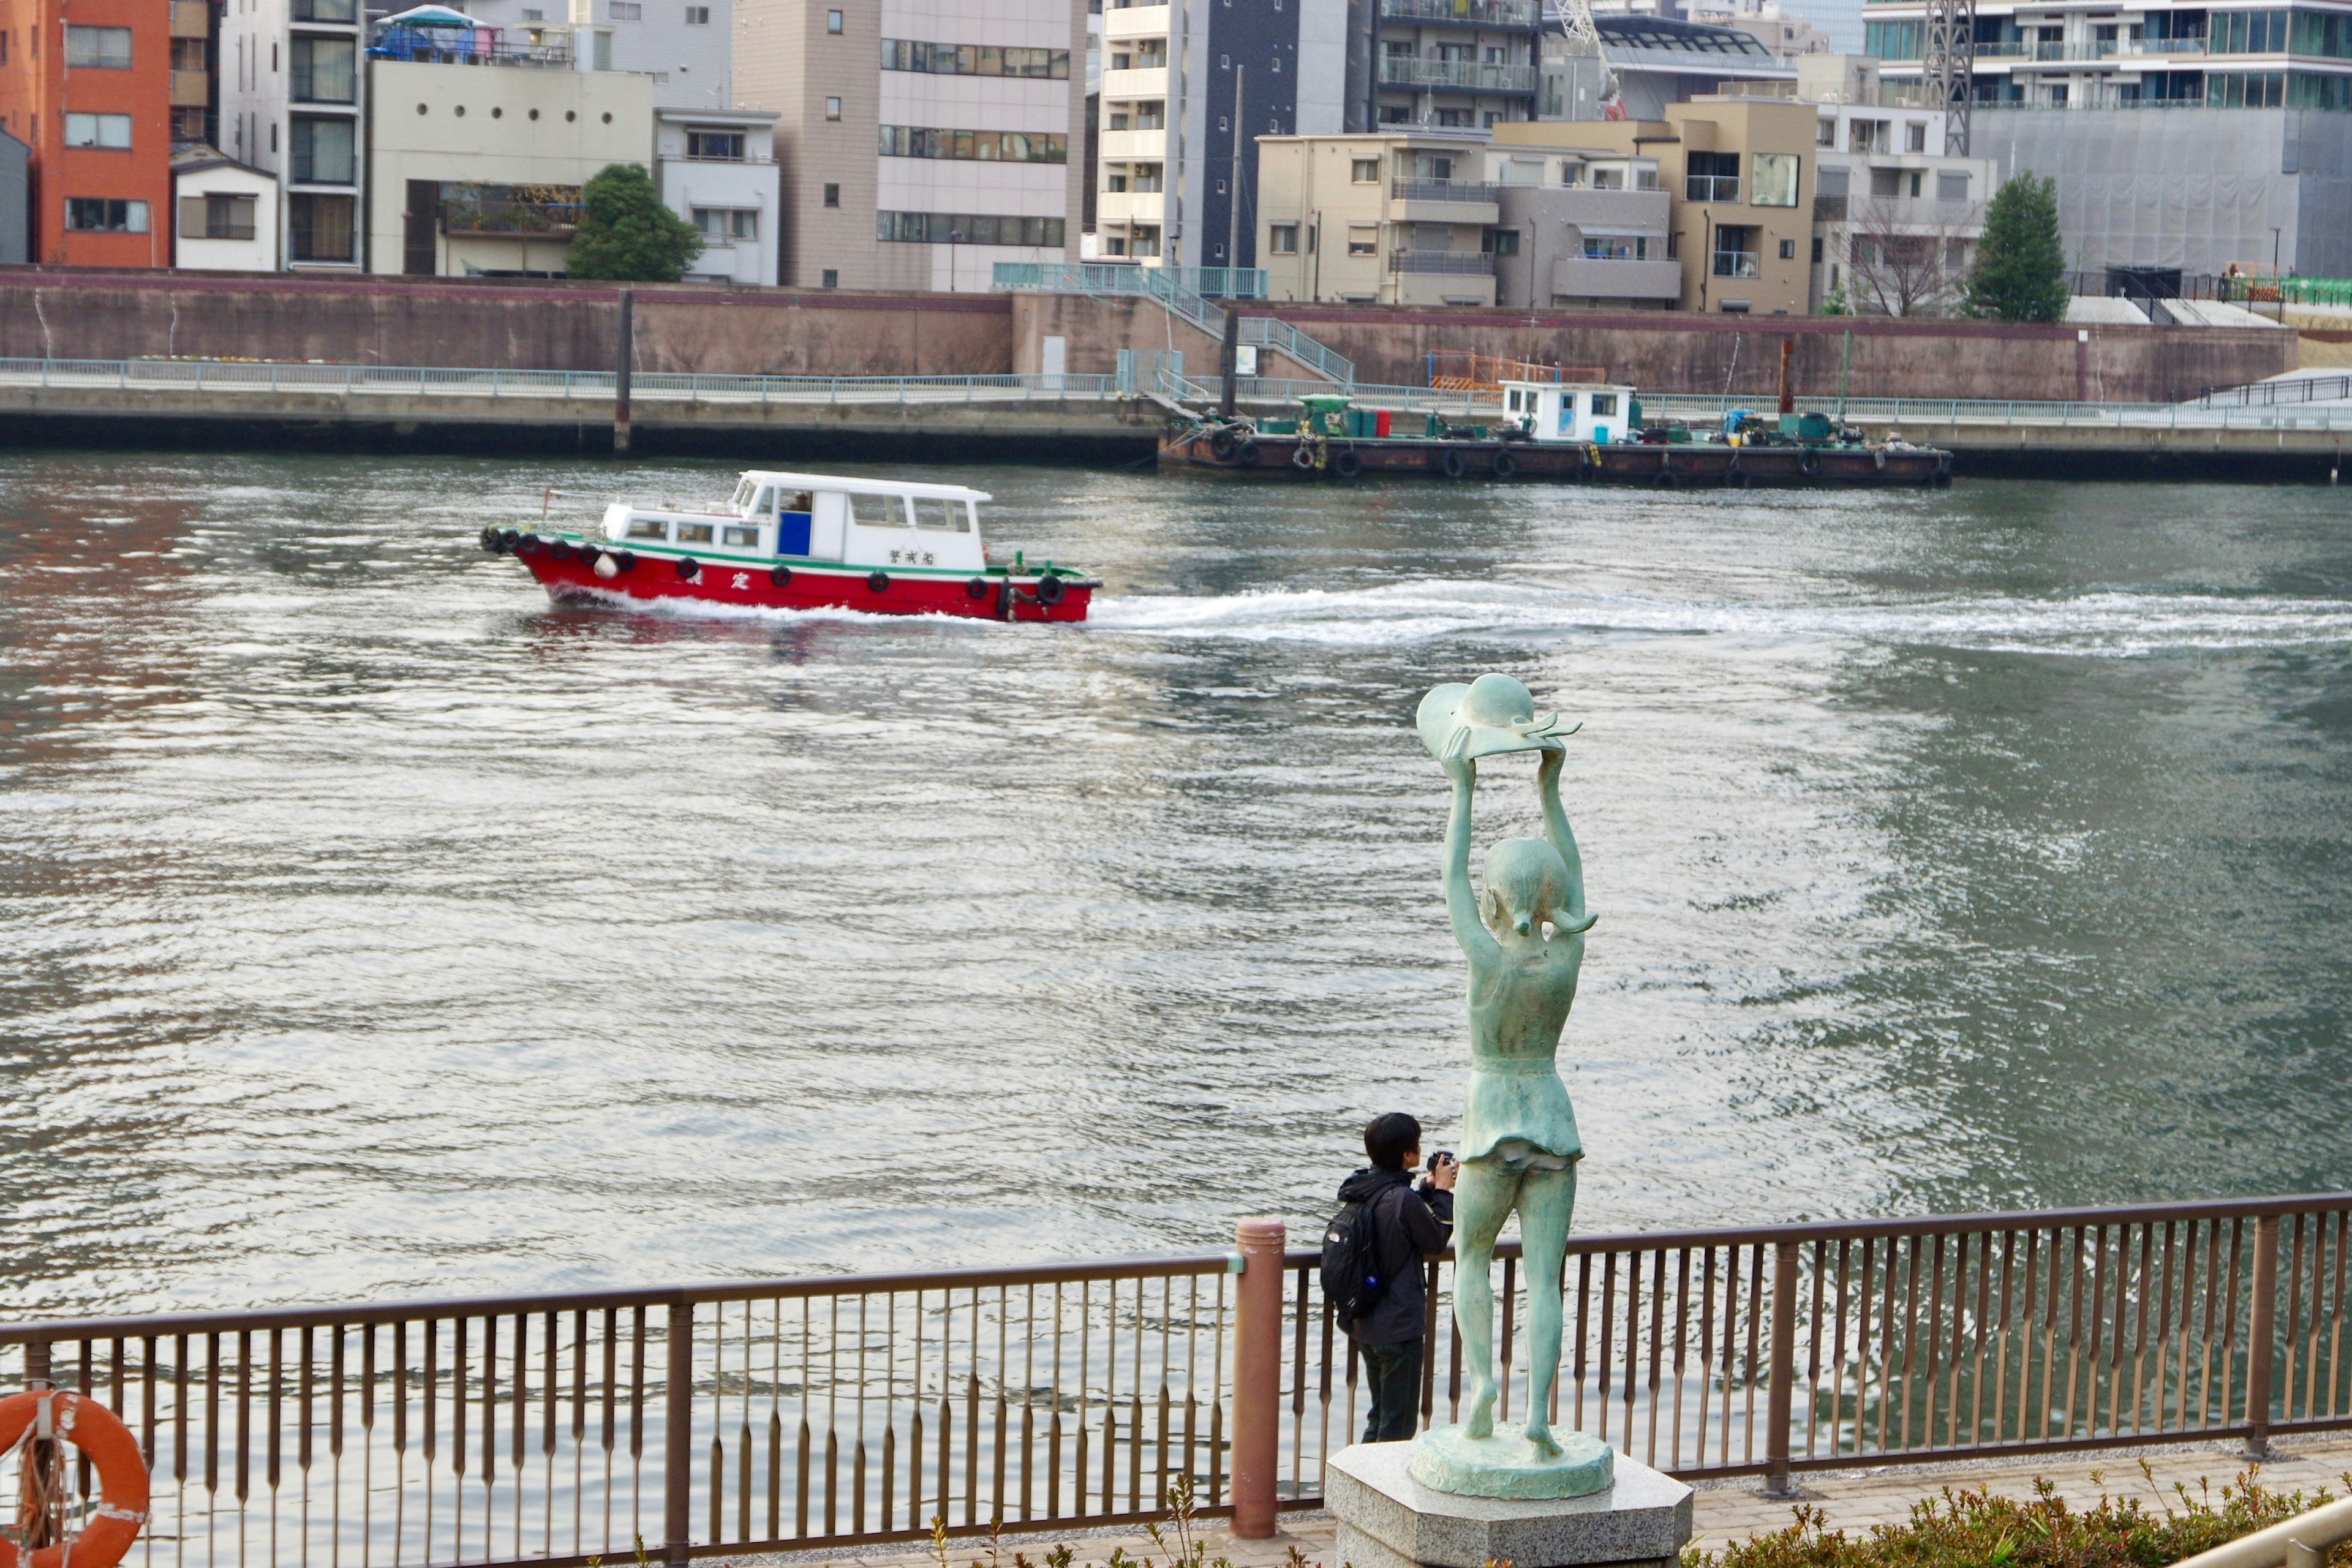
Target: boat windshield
<point x="744" y="490"/>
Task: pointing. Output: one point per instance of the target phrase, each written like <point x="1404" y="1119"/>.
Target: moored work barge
<point x="1553" y="431"/>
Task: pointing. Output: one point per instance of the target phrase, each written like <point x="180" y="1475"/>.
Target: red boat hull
<point x="655" y="579"/>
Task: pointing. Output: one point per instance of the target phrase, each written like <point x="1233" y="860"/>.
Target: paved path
<point x="1727" y="1510"/>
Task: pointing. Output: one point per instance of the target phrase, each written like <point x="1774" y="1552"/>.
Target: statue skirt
<point x="1518" y="1114"/>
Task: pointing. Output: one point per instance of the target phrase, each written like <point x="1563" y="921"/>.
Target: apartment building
<point x="292" y="98"/>
<point x="1455" y="64"/>
<point x="1187" y="90"/>
<point x="717" y="169"/>
<point x="194" y="113"/>
<point x="90" y="97"/>
<point x="2184" y="138"/>
<point x="919" y="142"/>
<point x="1456" y="218"/>
<point x="1650" y="61"/>
<point x="478" y="150"/>
<point x="1741" y="174"/>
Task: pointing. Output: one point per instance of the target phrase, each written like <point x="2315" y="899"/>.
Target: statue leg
<point x="1482" y="1201"/>
<point x="1547" y="1204"/>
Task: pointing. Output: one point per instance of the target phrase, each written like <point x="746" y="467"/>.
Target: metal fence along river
<point x="844" y="1410"/>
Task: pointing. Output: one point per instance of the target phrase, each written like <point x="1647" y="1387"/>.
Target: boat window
<point x="941" y="514"/>
<point x="878" y="511"/>
<point x="1514" y="400"/>
<point x="743" y="490"/>
<point x="970" y="513"/>
<point x="747" y="538"/>
<point x="648" y="528"/>
<point x="694" y="533"/>
<point x="799" y="500"/>
<point x="767" y="506"/>
<point x="1604" y="404"/>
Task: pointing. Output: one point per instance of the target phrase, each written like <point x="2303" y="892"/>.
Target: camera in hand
<point x="1442" y="1157"/>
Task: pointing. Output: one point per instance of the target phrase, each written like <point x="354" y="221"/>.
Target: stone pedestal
<point x="1387" y="1520"/>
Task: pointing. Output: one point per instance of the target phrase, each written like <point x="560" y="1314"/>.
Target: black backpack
<point x="1352" y="1277"/>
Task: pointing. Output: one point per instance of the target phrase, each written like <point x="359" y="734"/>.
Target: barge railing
<point x="839" y="1411"/>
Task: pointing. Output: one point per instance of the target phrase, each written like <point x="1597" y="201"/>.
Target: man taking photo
<point x="1373" y="1266"/>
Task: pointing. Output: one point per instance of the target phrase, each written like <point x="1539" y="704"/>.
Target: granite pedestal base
<point x="1387" y="1520"/>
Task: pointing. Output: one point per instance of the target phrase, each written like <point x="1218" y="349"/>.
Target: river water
<point x="374" y="928"/>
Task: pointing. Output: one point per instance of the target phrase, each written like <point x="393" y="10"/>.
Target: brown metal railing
<point x="503" y="1430"/>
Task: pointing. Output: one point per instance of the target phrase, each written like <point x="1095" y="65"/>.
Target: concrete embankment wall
<point x="53" y="314"/>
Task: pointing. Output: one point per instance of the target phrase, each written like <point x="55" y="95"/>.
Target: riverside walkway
<point x="1060" y="417"/>
<point x="1731" y="1511"/>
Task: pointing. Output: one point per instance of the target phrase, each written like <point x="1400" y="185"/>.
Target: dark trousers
<point x="1392" y="1375"/>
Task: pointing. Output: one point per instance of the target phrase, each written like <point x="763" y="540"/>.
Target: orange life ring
<point x="107" y="1444"/>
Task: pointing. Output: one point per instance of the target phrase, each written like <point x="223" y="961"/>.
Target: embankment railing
<point x="779" y="1414"/>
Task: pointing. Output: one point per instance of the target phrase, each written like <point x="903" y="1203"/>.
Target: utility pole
<point x="1233" y="193"/>
<point x="1950" y="59"/>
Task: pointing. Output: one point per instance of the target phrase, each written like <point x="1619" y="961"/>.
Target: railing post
<point x="39" y="1516"/>
<point x="1784" y="1369"/>
<point x="678" y="1438"/>
<point x="2260" y="1332"/>
<point x="1257" y="1376"/>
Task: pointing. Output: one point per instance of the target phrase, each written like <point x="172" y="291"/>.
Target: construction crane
<point x="1574" y="19"/>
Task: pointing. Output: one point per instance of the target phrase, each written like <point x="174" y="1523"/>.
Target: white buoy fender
<point x="605" y="567"/>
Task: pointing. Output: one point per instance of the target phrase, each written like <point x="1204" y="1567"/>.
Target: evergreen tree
<point x="2020" y="270"/>
<point x="626" y="233"/>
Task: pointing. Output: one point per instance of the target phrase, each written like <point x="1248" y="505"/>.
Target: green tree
<point x="2020" y="270"/>
<point x="626" y="233"/>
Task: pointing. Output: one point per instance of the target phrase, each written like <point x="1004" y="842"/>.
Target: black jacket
<point x="1406" y="1223"/>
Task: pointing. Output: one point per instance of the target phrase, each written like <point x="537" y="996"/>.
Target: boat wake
<point x="2103" y="624"/>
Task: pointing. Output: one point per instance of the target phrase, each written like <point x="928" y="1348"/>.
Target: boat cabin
<point x="819" y="517"/>
<point x="1589" y="413"/>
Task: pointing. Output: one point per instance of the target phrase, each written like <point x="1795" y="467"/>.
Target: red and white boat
<point x="804" y="542"/>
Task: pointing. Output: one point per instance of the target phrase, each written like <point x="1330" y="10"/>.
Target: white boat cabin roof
<point x="843" y="484"/>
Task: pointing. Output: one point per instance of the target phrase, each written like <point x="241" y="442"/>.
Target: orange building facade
<point x="88" y="88"/>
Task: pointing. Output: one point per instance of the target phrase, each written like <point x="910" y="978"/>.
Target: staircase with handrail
<point x="1101" y="281"/>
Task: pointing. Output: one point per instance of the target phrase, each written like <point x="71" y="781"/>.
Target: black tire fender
<point x="1737" y="478"/>
<point x="879" y="581"/>
<point x="490" y="539"/>
<point x="626" y="561"/>
<point x="1453" y="465"/>
<point x="1348" y="463"/>
<point x="1302" y="456"/>
<point x="1223" y="446"/>
<point x="1810" y="465"/>
<point x="1050" y="590"/>
<point x="1246" y="454"/>
<point x="976" y="589"/>
<point x="1663" y="479"/>
<point x="1506" y="466"/>
<point x="781" y="576"/>
<point x="688" y="568"/>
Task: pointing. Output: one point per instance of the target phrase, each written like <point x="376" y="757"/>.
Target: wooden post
<point x="1788" y="392"/>
<point x="1232" y="359"/>
<point x="1257" y="1376"/>
<point x="1784" y="1328"/>
<point x="628" y="354"/>
<point x="2260" y="1333"/>
<point x="677" y="1432"/>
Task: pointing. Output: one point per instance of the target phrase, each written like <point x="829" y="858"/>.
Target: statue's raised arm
<point x="1461" y="903"/>
<point x="1562" y="838"/>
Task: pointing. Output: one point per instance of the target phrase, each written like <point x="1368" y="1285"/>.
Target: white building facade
<point x="717" y="170"/>
<point x="293" y="100"/>
<point x="227" y="214"/>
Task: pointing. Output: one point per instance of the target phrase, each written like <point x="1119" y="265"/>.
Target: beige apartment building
<point x="919" y="142"/>
<point x="475" y="168"/>
<point x="1739" y="172"/>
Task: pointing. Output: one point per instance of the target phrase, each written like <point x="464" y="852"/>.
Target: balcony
<point x="191" y="19"/>
<point x="1589" y="278"/>
<point x="1130" y="206"/>
<point x="1442" y="263"/>
<point x="1737" y="264"/>
<point x="1149" y="81"/>
<point x="443" y="47"/>
<point x="1711" y="188"/>
<point x="190" y="89"/>
<point x="1464" y="13"/>
<point x="1123" y="23"/>
<point x="1456" y="76"/>
<point x="1123" y="146"/>
<point x="1460" y="191"/>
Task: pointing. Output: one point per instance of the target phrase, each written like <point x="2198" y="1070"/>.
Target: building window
<point x="343" y="10"/>
<point x="1148" y="178"/>
<point x="1734" y="252"/>
<point x="325" y="151"/>
<point x="829" y="279"/>
<point x="715" y="146"/>
<point x="1365" y="170"/>
<point x="833" y="195"/>
<point x="105" y="215"/>
<point x="1500" y="242"/>
<point x="727" y="223"/>
<point x="832" y="22"/>
<point x="1787" y="250"/>
<point x="1826" y="136"/>
<point x="967" y="229"/>
<point x="976" y="59"/>
<point x="1775" y="180"/>
<point x="628" y="11"/>
<point x="1916" y="136"/>
<point x="98" y="48"/>
<point x="832" y="108"/>
<point x="985" y="146"/>
<point x="530" y="15"/>
<point x="1282" y="239"/>
<point x="324" y="70"/>
<point x="698" y="15"/>
<point x="217" y="216"/>
<point x="98" y="131"/>
<point x="1817" y="251"/>
<point x="319" y="227"/>
<point x="1711" y="177"/>
<point x="1364" y="239"/>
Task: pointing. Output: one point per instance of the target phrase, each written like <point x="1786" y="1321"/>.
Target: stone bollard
<point x="1257" y="1376"/>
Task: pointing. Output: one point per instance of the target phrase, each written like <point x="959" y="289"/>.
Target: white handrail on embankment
<point x="2302" y="1542"/>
